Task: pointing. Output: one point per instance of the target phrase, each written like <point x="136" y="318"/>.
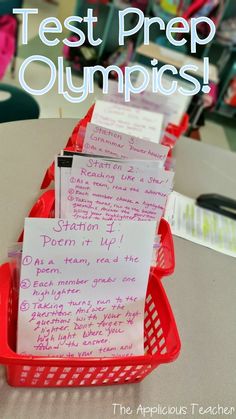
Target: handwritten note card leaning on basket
<point x="82" y="287"/>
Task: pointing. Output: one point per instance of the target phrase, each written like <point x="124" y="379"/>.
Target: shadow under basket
<point x="161" y="339"/>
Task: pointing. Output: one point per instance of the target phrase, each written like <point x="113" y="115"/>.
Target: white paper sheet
<point x="201" y="226"/>
<point x="117" y="190"/>
<point x="83" y="287"/>
<point x="106" y="142"/>
<point x="128" y="120"/>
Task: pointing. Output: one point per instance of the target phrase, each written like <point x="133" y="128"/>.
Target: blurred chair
<point x="16" y="105"/>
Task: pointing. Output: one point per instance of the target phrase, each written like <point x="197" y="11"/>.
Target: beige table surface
<point x="202" y="291"/>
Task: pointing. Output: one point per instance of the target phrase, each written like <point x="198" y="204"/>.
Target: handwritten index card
<point x="106" y="142"/>
<point x="128" y="120"/>
<point x="105" y="189"/>
<point x="83" y="286"/>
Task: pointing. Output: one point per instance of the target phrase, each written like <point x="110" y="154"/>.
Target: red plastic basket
<point x="161" y="340"/>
